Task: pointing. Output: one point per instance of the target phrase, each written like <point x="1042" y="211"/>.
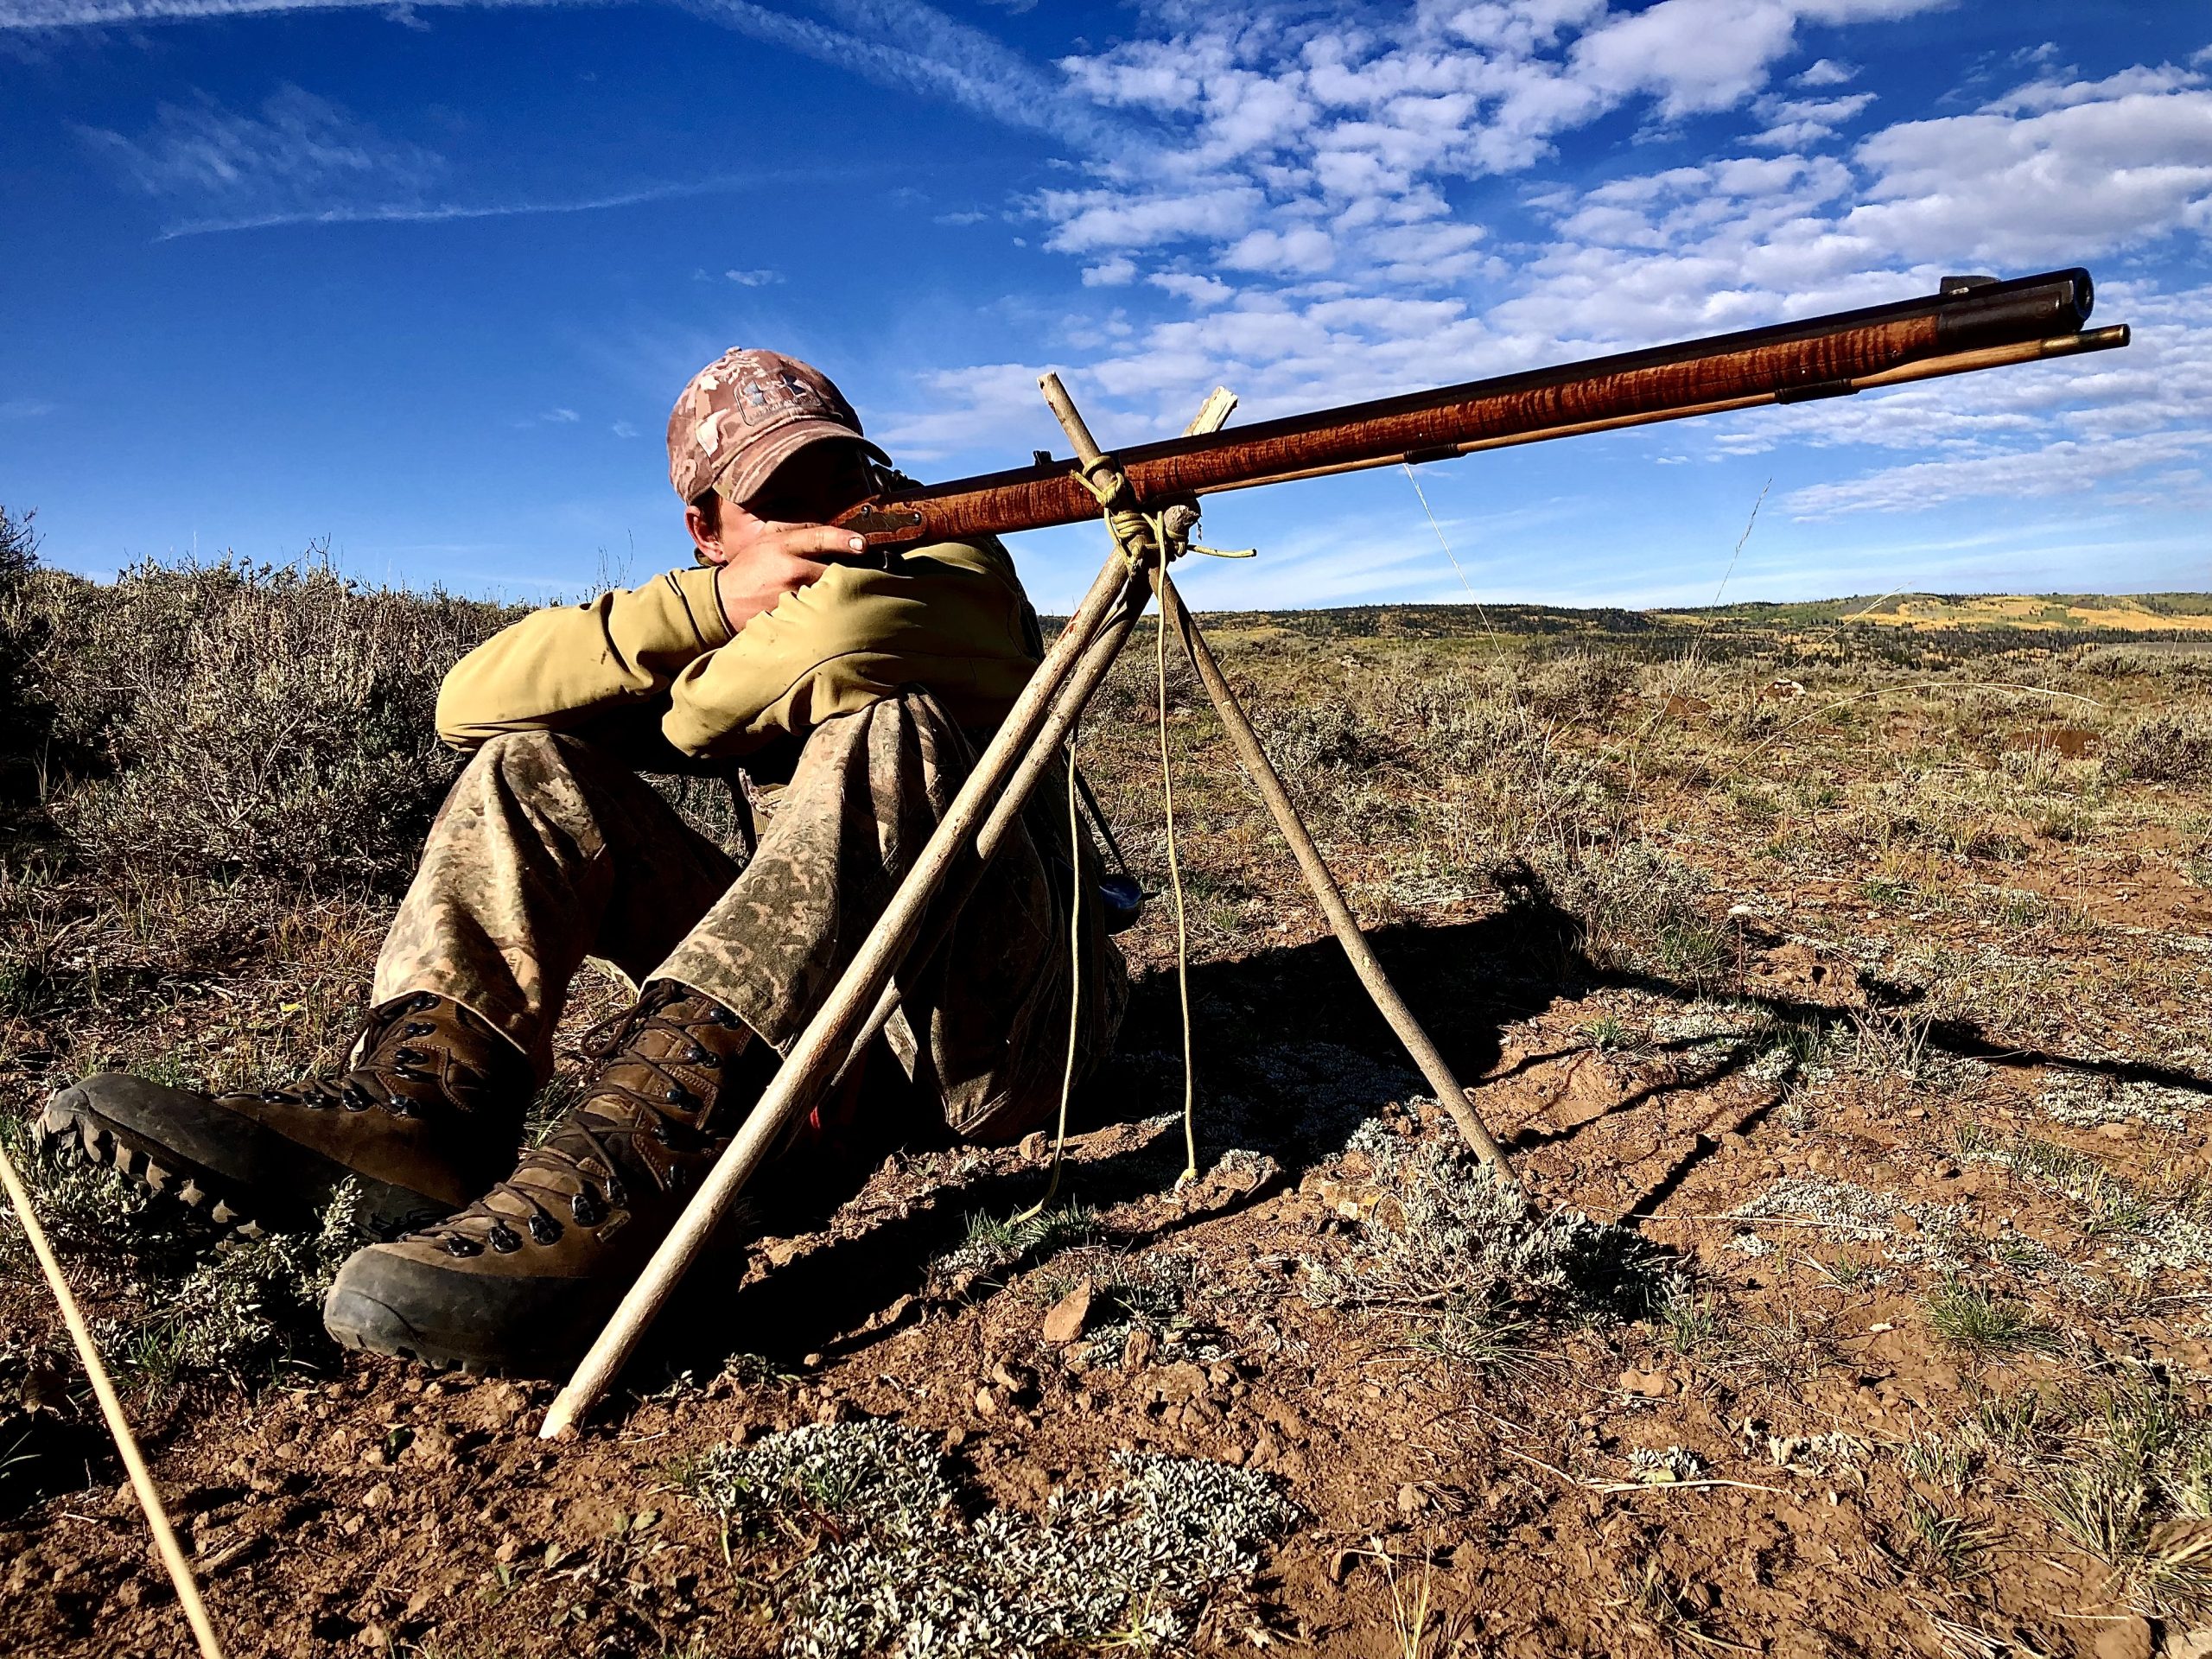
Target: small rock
<point x="1036" y="1146"/>
<point x="502" y="1403"/>
<point x="986" y="1401"/>
<point x="1065" y="1322"/>
<point x="1411" y="1499"/>
<point x="2124" y="1638"/>
<point x="432" y="1447"/>
<point x="1137" y="1352"/>
<point x="377" y="1498"/>
<point x="373" y="1637"/>
<point x="1650" y="1384"/>
<point x="508" y="1549"/>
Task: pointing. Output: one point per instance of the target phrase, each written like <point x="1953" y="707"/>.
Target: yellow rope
<point x="1175" y="881"/>
<point x="1075" y="987"/>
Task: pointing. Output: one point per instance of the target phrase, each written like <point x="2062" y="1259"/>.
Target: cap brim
<point x="752" y="466"/>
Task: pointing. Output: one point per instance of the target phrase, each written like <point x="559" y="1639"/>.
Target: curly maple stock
<point x="1974" y="323"/>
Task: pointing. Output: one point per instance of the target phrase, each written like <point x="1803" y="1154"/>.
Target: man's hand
<point x="758" y="568"/>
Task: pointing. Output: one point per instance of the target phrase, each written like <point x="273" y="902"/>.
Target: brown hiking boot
<point x="425" y="1117"/>
<point x="521" y="1280"/>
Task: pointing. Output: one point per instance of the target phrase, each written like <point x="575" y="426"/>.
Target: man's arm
<point x="557" y="668"/>
<point x="950" y="617"/>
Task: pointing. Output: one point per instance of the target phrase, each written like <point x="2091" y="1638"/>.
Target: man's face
<point x="812" y="488"/>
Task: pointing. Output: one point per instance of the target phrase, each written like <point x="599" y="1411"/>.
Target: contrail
<point x="94" y="14"/>
<point x="900" y="44"/>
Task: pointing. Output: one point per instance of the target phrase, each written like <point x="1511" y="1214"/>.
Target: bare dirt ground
<point x="1853" y="984"/>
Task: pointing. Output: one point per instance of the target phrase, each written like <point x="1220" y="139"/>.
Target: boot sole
<point x="361" y="1324"/>
<point x="358" y="1318"/>
<point x="82" y="1136"/>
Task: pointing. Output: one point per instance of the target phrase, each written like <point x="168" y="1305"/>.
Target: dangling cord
<point x="1175" y="881"/>
<point x="1075" y="987"/>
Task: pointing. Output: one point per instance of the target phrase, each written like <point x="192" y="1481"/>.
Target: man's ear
<point x="705" y="537"/>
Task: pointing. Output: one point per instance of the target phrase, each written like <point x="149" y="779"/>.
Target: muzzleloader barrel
<point x="1973" y="323"/>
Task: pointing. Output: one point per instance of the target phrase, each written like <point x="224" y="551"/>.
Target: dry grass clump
<point x="20" y="630"/>
<point x="1470" y="1265"/>
<point x="2167" y="748"/>
<point x="897" y="1564"/>
<point x="228" y="718"/>
<point x="242" y="1312"/>
<point x="1634" y="909"/>
<point x="2132" y="1486"/>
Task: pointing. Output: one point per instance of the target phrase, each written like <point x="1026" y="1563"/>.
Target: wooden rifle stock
<point x="1974" y="324"/>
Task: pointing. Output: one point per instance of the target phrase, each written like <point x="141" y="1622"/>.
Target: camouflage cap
<point x="745" y="415"/>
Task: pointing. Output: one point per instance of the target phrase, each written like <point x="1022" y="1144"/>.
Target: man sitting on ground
<point x="869" y="681"/>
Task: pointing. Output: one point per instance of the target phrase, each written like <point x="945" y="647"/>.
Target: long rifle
<point x="1974" y="323"/>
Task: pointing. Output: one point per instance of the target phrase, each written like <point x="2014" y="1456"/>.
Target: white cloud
<point x="1796" y="123"/>
<point x="1117" y="272"/>
<point x="2063" y="467"/>
<point x="1301" y="249"/>
<point x="903" y="44"/>
<point x="753" y="278"/>
<point x="24" y="409"/>
<point x="2082" y="178"/>
<point x="1195" y="290"/>
<point x="1826" y="71"/>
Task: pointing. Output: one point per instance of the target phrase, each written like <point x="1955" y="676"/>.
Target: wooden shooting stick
<point x="134" y="1464"/>
<point x="1066" y="711"/>
<point x="1268" y="782"/>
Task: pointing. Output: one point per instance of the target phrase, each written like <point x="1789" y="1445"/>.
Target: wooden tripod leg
<point x="1330" y="897"/>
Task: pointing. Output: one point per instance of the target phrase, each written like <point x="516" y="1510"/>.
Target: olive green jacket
<point x="950" y="617"/>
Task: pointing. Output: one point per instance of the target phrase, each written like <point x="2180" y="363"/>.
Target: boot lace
<point x="587" y="1136"/>
<point x="369" y="1084"/>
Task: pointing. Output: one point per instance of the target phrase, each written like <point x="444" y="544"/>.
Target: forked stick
<point x="141" y="1482"/>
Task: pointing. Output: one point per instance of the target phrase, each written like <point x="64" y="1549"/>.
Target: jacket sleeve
<point x="951" y="617"/>
<point x="558" y="668"/>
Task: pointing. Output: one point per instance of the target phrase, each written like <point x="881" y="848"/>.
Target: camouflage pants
<point x="549" y="850"/>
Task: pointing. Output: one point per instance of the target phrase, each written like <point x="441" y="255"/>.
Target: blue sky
<point x="421" y="281"/>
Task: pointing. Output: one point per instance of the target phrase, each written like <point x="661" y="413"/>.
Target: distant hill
<point x="2041" y="613"/>
<point x="2168" y="616"/>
